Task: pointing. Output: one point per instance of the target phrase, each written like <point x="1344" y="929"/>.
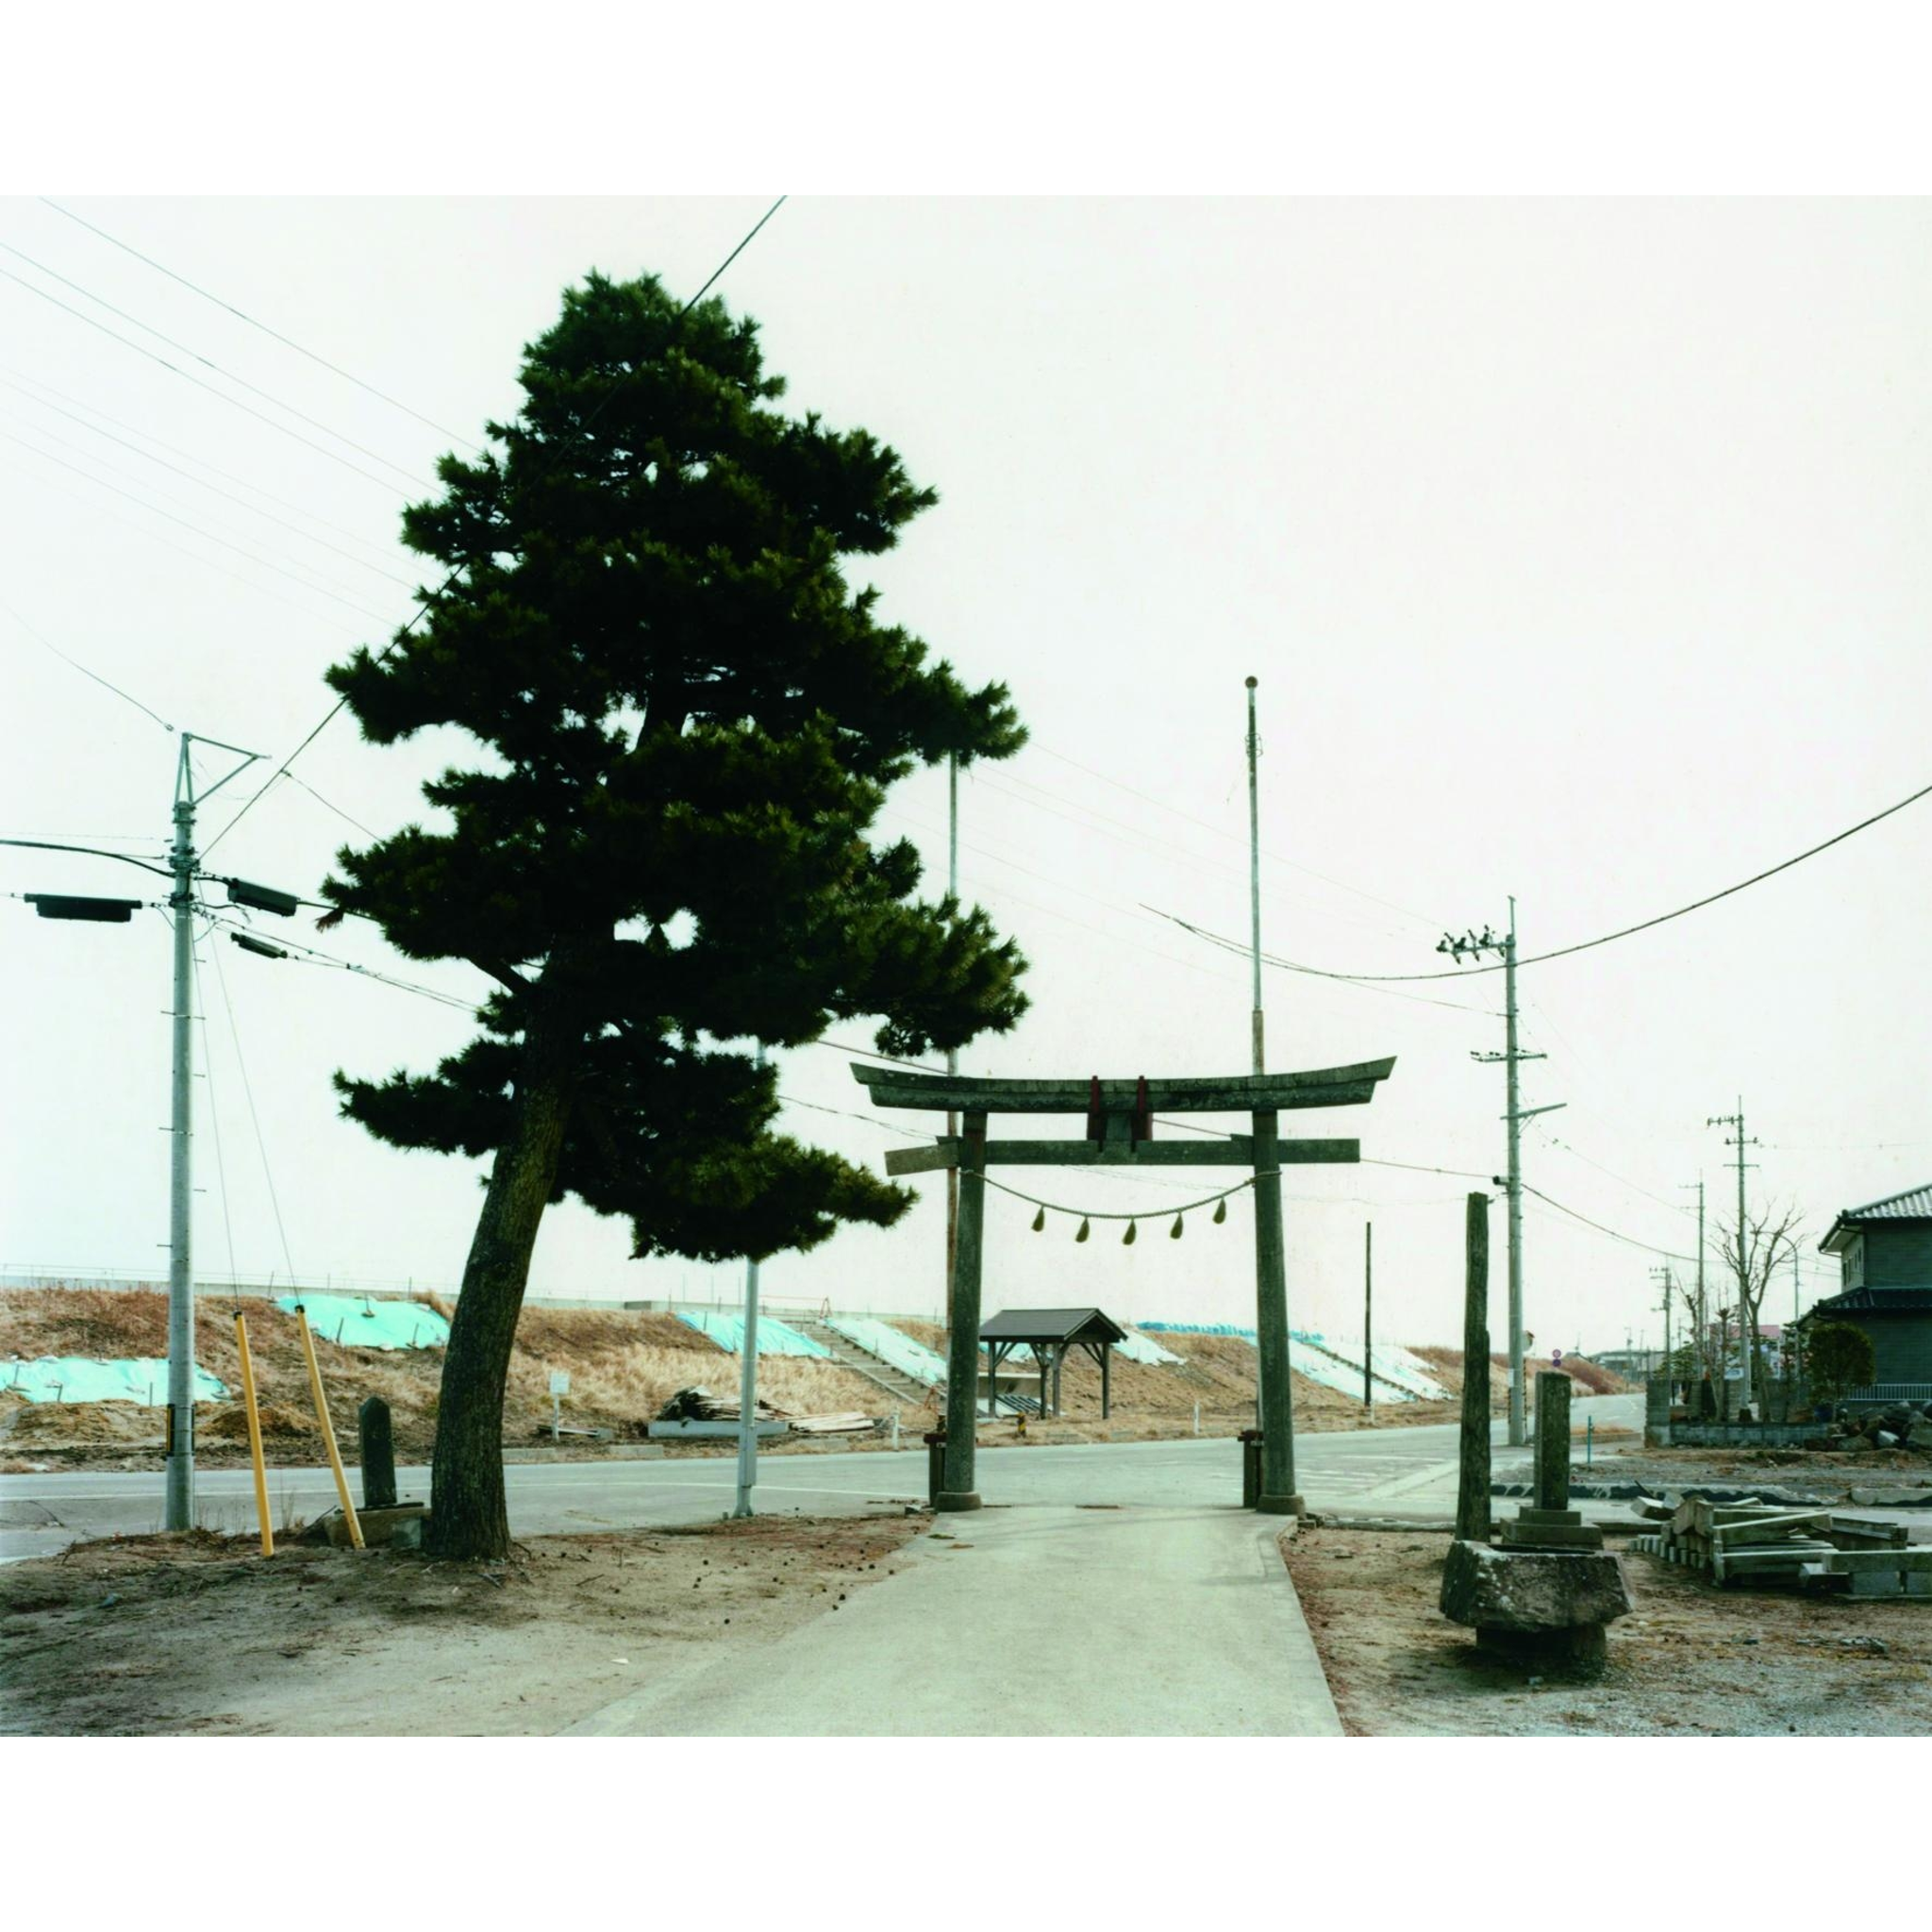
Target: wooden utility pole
<point x="1472" y="1489"/>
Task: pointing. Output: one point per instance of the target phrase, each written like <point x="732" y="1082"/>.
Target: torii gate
<point x="1119" y="1133"/>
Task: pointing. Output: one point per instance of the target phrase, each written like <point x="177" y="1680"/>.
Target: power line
<point x="233" y="402"/>
<point x="227" y="374"/>
<point x="311" y="955"/>
<point x="289" y="342"/>
<point x="254" y="1119"/>
<point x="105" y="683"/>
<point x="200" y="483"/>
<point x="15" y="377"/>
<point x="1221" y="832"/>
<point x="199" y="529"/>
<point x="1582" y="945"/>
<point x="424" y="610"/>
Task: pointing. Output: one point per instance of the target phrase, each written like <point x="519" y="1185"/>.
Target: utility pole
<point x="182" y="874"/>
<point x="179" y="1460"/>
<point x="1257" y="1057"/>
<point x="952" y="1052"/>
<point x="1368" y="1314"/>
<point x="1663" y="1277"/>
<point x="1703" y="1332"/>
<point x="748" y="1377"/>
<point x="1748" y="1342"/>
<point x="1511" y="1055"/>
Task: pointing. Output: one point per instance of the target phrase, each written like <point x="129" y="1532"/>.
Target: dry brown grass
<point x="623" y="1367"/>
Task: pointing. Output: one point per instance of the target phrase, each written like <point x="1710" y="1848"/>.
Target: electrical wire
<point x="233" y="402"/>
<point x="13" y="379"/>
<point x="200" y="483"/>
<point x="128" y="698"/>
<point x="1581" y="945"/>
<point x="1221" y="832"/>
<point x="424" y="610"/>
<point x="199" y="529"/>
<point x="289" y="342"/>
<point x="305" y="955"/>
<point x="254" y="1119"/>
<point x="227" y="374"/>
<point x="214" y="1112"/>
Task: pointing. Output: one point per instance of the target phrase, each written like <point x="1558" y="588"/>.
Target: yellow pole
<point x="329" y="1431"/>
<point x="268" y="1535"/>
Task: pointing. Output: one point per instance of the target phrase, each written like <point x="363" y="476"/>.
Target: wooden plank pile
<point x="701" y="1406"/>
<point x="1752" y="1541"/>
<point x="847" y="1423"/>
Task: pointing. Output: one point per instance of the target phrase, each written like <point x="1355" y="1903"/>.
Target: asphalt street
<point x="1397" y="1467"/>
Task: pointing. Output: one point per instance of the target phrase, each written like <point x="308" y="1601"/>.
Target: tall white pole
<point x="748" y="1381"/>
<point x="1255" y="879"/>
<point x="179" y="1462"/>
<point x="1257" y="1056"/>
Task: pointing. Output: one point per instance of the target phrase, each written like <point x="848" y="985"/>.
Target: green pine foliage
<point x="687" y="719"/>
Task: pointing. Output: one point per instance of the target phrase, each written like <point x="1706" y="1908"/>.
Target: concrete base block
<point x="1555" y="1518"/>
<point x="1282" y="1505"/>
<point x="1581" y="1649"/>
<point x="1519" y="1535"/>
<point x="957" y="1499"/>
<point x="1877" y="1583"/>
<point x="399" y="1524"/>
<point x="1919" y="1582"/>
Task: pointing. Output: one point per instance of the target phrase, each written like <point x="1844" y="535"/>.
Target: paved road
<point x="1409" y="1468"/>
<point x="1031" y="1620"/>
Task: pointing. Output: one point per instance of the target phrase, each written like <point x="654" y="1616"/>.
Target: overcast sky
<point x="1579" y="548"/>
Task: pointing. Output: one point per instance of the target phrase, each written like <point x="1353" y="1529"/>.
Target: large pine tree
<point x="691" y="720"/>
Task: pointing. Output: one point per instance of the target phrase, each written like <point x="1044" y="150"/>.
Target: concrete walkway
<point x="1026" y="1622"/>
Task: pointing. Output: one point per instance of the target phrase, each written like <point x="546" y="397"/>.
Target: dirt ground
<point x="1690" y="1659"/>
<point x="174" y="1635"/>
<point x="1833" y="1474"/>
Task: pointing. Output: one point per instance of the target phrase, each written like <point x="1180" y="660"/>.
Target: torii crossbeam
<point x="1119" y="1133"/>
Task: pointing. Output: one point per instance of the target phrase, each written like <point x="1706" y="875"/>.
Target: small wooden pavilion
<point x="1049" y="1332"/>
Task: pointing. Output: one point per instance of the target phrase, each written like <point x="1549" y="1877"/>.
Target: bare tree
<point x="1767" y="1239"/>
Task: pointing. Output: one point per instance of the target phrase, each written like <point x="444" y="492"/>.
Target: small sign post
<point x="560" y="1388"/>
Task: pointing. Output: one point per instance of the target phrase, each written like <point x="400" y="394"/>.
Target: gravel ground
<point x="1689" y="1660"/>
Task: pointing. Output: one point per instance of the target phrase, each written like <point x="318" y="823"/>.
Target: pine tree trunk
<point x="468" y="1513"/>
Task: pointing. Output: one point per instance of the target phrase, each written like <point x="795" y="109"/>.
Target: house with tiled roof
<point x="1884" y="1251"/>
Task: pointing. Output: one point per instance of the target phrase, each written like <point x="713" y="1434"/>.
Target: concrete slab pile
<point x="1758" y="1542"/>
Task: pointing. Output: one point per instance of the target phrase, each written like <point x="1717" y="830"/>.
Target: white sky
<point x="1577" y="547"/>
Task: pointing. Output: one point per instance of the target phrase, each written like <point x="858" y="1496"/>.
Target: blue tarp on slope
<point x="80" y="1378"/>
<point x="1142" y="1348"/>
<point x="357" y="1322"/>
<point x="901" y="1352"/>
<point x="774" y="1337"/>
<point x="1311" y="1356"/>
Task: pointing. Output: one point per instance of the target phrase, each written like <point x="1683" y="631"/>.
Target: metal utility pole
<point x="748" y="1378"/>
<point x="1668" y="1282"/>
<point x="1511" y="1055"/>
<point x="1748" y="1341"/>
<point x="952" y="1053"/>
<point x="1368" y="1313"/>
<point x="1257" y="1055"/>
<point x="179" y="1439"/>
<point x="1258" y="1061"/>
<point x="182" y="873"/>
<point x="1702" y="1332"/>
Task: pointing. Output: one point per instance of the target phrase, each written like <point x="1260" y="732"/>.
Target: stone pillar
<point x="1550" y="1523"/>
<point x="1552" y="1440"/>
<point x="378" y="1454"/>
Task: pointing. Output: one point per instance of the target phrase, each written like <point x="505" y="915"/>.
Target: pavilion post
<point x="1105" y="1395"/>
<point x="1279" y="1497"/>
<point x="962" y="1369"/>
